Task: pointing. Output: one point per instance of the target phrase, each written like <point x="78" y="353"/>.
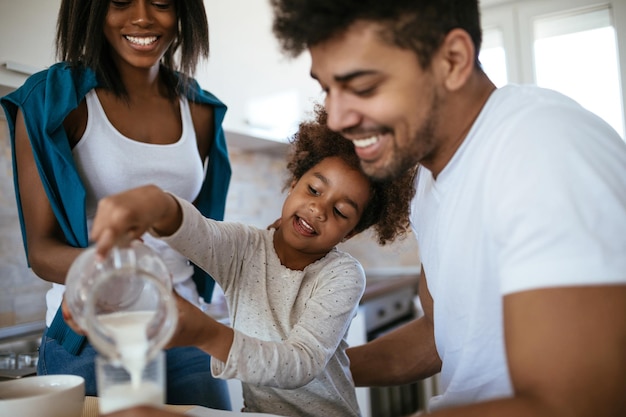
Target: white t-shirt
<point x="535" y="197"/>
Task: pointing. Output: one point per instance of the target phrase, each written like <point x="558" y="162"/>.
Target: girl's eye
<point x="118" y="3"/>
<point x="313" y="190"/>
<point x="339" y="213"/>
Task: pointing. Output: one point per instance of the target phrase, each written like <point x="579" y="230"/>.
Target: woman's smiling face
<point x="140" y="31"/>
<point x="324" y="206"/>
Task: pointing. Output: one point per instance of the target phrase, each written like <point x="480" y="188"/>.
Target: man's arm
<point x="566" y="349"/>
<point x="401" y="356"/>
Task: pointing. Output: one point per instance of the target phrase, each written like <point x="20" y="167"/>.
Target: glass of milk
<point x="127" y="385"/>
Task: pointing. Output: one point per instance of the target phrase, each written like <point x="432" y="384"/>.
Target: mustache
<point x="364" y="131"/>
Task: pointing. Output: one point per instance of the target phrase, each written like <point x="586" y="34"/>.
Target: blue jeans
<point x="189" y="379"/>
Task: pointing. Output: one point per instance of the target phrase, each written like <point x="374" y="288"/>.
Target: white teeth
<point x="363" y="143"/>
<point x="307" y="226"/>
<point x="146" y="40"/>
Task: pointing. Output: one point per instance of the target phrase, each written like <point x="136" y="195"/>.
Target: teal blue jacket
<point x="45" y="100"/>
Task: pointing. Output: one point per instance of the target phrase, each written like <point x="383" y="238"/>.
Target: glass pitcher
<point x="125" y="303"/>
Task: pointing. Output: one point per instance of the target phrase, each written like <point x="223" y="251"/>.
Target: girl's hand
<point x="122" y="217"/>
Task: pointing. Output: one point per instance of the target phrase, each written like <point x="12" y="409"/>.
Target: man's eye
<point x="365" y="91"/>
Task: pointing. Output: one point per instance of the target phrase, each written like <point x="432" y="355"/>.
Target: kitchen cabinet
<point x="27" y="31"/>
<point x="266" y="92"/>
<point x="390" y="301"/>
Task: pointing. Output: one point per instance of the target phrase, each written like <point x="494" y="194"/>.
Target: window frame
<point x="515" y="20"/>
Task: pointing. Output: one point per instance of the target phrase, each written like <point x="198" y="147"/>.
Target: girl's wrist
<point x="172" y="216"/>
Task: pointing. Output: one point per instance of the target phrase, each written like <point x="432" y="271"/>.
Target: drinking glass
<point x="118" y="390"/>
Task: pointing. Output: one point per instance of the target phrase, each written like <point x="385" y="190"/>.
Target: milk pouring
<point x="116" y="391"/>
<point x="128" y="329"/>
<point x="126" y="305"/>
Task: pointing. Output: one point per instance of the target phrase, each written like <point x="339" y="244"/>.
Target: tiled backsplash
<point x="255" y="197"/>
<point x="22" y="298"/>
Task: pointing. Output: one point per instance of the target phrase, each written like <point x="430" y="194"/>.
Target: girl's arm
<point x="311" y="341"/>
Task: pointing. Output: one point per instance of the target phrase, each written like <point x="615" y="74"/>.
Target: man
<point x="520" y="210"/>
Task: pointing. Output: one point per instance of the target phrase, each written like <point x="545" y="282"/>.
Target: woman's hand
<point x="195" y="328"/>
<point x="190" y="325"/>
<point x="122" y="217"/>
<point x="69" y="320"/>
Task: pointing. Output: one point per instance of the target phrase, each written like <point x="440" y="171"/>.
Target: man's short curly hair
<point x="417" y="25"/>
<point x="389" y="204"/>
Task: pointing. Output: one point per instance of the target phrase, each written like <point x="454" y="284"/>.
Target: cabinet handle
<point x="21" y="68"/>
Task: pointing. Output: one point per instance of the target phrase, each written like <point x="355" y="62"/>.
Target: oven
<point x="389" y="302"/>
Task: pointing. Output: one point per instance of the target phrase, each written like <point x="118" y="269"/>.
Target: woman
<point x="120" y="110"/>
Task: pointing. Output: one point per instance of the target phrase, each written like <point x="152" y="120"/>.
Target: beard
<point x="420" y="146"/>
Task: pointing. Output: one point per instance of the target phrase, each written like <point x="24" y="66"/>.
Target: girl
<point x="291" y="293"/>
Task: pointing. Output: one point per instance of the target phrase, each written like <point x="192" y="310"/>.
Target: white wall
<point x="27" y="29"/>
<point x="246" y="68"/>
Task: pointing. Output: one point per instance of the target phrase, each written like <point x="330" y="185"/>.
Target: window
<point x="572" y="46"/>
<point x="493" y="56"/>
<point x="576" y="54"/>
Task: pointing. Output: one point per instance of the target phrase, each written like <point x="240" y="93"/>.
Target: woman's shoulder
<point x="59" y="80"/>
<point x="197" y="94"/>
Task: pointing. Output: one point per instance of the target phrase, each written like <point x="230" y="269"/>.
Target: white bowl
<point x="43" y="396"/>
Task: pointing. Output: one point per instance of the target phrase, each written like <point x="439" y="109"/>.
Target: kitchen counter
<point x="380" y="283"/>
<point x="90" y="407"/>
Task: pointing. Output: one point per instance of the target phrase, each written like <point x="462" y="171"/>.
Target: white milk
<point x="128" y="329"/>
<point x="118" y="397"/>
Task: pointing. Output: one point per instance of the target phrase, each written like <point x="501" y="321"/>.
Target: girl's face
<point x="140" y="31"/>
<point x="323" y="207"/>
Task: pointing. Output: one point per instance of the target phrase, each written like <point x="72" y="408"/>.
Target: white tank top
<point x="109" y="162"/>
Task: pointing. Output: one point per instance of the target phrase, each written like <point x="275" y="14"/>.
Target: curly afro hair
<point x="417" y="25"/>
<point x="389" y="205"/>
